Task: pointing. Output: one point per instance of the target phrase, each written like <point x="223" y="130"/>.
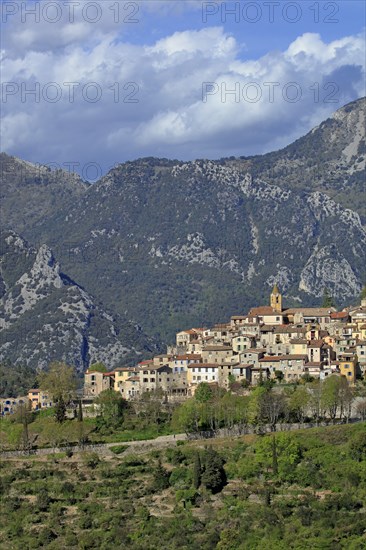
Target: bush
<point x="181" y="478"/>
<point x="188" y="496"/>
<point x="86" y="522"/>
<point x="13" y="504"/>
<point x="160" y="478"/>
<point x="174" y="456"/>
<point x="119" y="449"/>
<point x="46" y="536"/>
<point x="91" y="460"/>
<point x="213" y="473"/>
<point x="43" y="500"/>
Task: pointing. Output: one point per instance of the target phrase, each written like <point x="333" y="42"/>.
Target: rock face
<point x="46" y="316"/>
<point x="331" y="159"/>
<point x="175" y="244"/>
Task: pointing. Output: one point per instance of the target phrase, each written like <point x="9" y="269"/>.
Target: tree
<point x="112" y="406"/>
<point x="59" y="381"/>
<point x="213" y="475"/>
<point x="345" y="396"/>
<point x="274" y="456"/>
<point x="273" y="407"/>
<point x="24" y="416"/>
<point x="80" y="412"/>
<point x="255" y="410"/>
<point x="280" y="454"/>
<point x="197" y="471"/>
<point x="160" y="478"/>
<point x="203" y="393"/>
<point x="361" y="409"/>
<point x="279" y="375"/>
<point x="188" y="416"/>
<point x="298" y="403"/>
<point x="357" y="446"/>
<point x="336" y="396"/>
<point x="306" y="378"/>
<point x="328" y="301"/>
<point x="60" y="410"/>
<point x="315" y="402"/>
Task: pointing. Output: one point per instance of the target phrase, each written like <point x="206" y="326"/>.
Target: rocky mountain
<point x="175" y="244"/>
<point x="29" y="193"/>
<point x="46" y="316"/>
<point x="330" y="159"/>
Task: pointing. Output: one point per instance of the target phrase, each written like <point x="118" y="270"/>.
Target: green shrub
<point x="174" y="456"/>
<point x="91" y="460"/>
<point x="43" y="500"/>
<point x="119" y="449"/>
<point x="181" y="478"/>
<point x="187" y="496"/>
<point x="86" y="522"/>
<point x="160" y="478"/>
<point x="46" y="536"/>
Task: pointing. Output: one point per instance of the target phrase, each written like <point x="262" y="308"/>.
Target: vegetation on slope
<point x="287" y="491"/>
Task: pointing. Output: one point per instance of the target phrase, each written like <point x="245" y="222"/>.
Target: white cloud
<point x="170" y="118"/>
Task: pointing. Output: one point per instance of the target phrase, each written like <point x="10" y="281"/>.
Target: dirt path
<point x="133" y="446"/>
<point x="164" y="441"/>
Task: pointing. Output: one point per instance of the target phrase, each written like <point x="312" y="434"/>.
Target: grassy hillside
<point x="308" y="493"/>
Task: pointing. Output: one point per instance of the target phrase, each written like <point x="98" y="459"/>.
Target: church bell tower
<point x="276" y="299"/>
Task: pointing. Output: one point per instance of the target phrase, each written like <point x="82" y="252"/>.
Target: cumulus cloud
<point x="100" y="97"/>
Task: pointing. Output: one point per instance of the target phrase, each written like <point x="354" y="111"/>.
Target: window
<point x="152" y="379"/>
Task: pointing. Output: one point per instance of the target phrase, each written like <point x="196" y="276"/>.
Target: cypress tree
<point x="60" y="411"/>
<point x="274" y="456"/>
<point x="80" y="412"/>
<point x="197" y="471"/>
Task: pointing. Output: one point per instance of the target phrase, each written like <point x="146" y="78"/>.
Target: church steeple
<point x="276" y="299"/>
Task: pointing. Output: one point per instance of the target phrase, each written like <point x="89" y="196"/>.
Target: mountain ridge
<point x="46" y="316"/>
<point x="175" y="244"/>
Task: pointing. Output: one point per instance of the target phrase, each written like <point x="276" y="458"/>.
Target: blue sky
<point x="179" y="79"/>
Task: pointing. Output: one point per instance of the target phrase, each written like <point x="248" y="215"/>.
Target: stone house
<point x="95" y="382"/>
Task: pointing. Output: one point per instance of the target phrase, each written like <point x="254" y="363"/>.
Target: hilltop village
<point x="268" y="343"/>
